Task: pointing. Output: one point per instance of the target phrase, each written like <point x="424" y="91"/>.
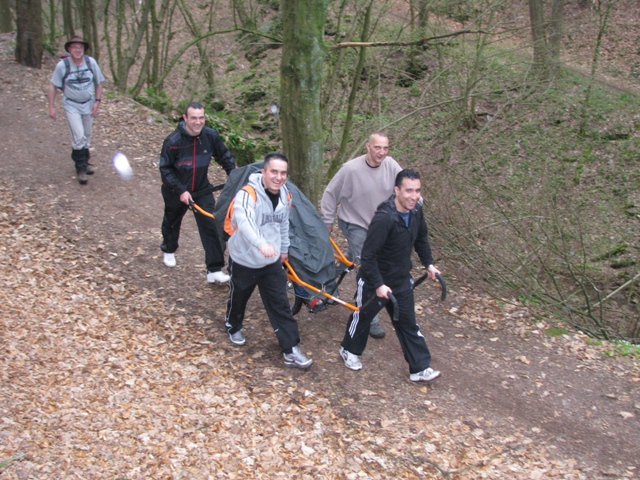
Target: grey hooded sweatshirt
<point x="257" y="222"/>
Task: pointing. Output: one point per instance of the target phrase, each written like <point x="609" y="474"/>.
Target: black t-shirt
<point x="274" y="197"/>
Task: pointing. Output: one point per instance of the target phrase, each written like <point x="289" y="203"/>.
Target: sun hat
<point x="76" y="39"/>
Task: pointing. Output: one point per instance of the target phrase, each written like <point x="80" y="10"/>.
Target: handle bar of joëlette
<point x="293" y="276"/>
<point x="199" y="209"/>
<point x="394" y="302"/>
<point x="194" y="206"/>
<point x="338" y="255"/>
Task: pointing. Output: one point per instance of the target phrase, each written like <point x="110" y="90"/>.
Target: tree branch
<point x="422" y="41"/>
<point x="622" y="287"/>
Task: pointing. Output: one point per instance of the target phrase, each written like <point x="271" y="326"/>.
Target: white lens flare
<point x="121" y="165"/>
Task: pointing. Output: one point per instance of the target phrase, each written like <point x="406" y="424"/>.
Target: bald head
<point x="377" y="149"/>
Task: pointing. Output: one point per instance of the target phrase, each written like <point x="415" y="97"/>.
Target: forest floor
<point x="114" y="366"/>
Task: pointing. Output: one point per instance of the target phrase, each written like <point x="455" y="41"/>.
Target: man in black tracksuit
<point x="184" y="165"/>
<point x="397" y="227"/>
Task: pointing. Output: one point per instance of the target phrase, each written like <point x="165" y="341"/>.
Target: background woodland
<point x="522" y="117"/>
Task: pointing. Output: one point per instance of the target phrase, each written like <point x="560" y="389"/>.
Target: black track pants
<point x="272" y="285"/>
<point x="413" y="343"/>
<point x="174" y="211"/>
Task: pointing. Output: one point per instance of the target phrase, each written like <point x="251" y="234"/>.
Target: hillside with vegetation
<point x="111" y="366"/>
<point x="532" y="179"/>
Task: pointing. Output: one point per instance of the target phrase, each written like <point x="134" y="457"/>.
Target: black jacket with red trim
<point x="185" y="160"/>
<point x="386" y="253"/>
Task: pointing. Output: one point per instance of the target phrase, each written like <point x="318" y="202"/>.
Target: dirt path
<point x="504" y="382"/>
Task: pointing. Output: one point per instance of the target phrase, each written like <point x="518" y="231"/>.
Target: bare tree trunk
<point x="29" y="37"/>
<point x="89" y="26"/>
<point x="126" y="47"/>
<point x="555" y="33"/>
<point x="303" y="55"/>
<point x="536" y="15"/>
<point x="162" y="60"/>
<point x="603" y="10"/>
<point x="95" y="36"/>
<point x="144" y="67"/>
<point x="202" y="50"/>
<point x="423" y="14"/>
<point x="246" y="19"/>
<point x="339" y="158"/>
<point x="6" y="23"/>
<point x="153" y="46"/>
<point x="335" y="61"/>
<point x="52" y="22"/>
<point x="67" y="19"/>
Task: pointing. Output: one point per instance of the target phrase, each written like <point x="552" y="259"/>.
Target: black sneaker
<point x="82" y="178"/>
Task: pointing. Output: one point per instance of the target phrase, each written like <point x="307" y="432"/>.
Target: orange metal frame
<point x="293" y="276"/>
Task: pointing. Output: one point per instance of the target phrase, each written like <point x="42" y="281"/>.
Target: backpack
<point x="228" y="228"/>
<point x="67" y="69"/>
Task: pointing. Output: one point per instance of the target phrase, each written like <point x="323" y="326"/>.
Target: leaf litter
<point x="95" y="385"/>
<point x="102" y="378"/>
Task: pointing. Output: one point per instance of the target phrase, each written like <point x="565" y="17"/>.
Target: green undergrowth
<point x="625" y="349"/>
<point x="529" y="205"/>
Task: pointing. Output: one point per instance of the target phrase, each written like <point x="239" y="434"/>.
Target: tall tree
<point x="126" y="46"/>
<point x="546" y="35"/>
<point x="67" y="18"/>
<point x="89" y="25"/>
<point x="30" y="33"/>
<point x="536" y="14"/>
<point x="303" y="55"/>
<point x="52" y="22"/>
<point x="194" y="28"/>
<point x="602" y="9"/>
<point x="339" y="158"/>
<point x="6" y="25"/>
<point x="555" y="33"/>
<point x="151" y="61"/>
<point x="245" y="16"/>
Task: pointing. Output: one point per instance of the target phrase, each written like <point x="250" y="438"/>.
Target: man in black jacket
<point x="397" y="227"/>
<point x="184" y="166"/>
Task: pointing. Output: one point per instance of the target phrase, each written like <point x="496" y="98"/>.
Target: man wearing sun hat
<point x="79" y="78"/>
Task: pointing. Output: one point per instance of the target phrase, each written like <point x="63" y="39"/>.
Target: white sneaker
<point x="297" y="359"/>
<point x="425" y="375"/>
<point x="237" y="338"/>
<point x="169" y="260"/>
<point x="220" y="277"/>
<point x="351" y="361"/>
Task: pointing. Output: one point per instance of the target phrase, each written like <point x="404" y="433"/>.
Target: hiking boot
<point x="237" y="338"/>
<point x="351" y="361"/>
<point x="296" y="359"/>
<point x="425" y="375"/>
<point x="169" y="260"/>
<point x="219" y="277"/>
<point x="82" y="178"/>
<point x="90" y="171"/>
<point x="375" y="329"/>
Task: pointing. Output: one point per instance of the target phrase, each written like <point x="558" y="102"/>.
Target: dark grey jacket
<point x="184" y="160"/>
<point x="386" y="253"/>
